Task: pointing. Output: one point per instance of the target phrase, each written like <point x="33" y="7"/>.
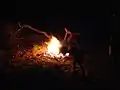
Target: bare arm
<point x="67" y="32"/>
<point x="70" y="38"/>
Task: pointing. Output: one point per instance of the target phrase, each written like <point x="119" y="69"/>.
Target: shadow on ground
<point x="37" y="78"/>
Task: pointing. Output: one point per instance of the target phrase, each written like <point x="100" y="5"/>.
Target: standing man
<point x="70" y="45"/>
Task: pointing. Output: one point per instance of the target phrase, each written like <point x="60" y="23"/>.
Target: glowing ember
<point x="67" y="54"/>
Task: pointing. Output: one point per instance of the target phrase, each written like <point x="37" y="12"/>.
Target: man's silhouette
<point x="70" y="45"/>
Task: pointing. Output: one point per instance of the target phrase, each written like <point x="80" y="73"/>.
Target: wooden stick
<point x="36" y="30"/>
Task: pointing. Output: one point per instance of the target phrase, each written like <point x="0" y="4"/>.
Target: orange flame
<point x="52" y="48"/>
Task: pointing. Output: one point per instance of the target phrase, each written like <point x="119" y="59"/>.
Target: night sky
<point x="93" y="20"/>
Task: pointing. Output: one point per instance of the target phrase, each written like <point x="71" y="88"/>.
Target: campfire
<point x="51" y="49"/>
<point x="47" y="54"/>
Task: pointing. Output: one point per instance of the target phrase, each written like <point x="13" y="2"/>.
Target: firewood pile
<point x="26" y="59"/>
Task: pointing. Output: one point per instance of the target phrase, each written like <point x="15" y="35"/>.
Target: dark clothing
<point x="74" y="51"/>
<point x="64" y="43"/>
<point x="78" y="58"/>
<point x="77" y="54"/>
<point x="64" y="50"/>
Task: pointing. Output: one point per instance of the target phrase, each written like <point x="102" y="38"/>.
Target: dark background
<point x="95" y="21"/>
